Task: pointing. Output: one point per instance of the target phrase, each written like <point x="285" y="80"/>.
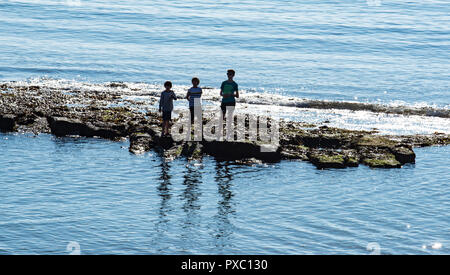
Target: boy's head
<point x="168" y="85"/>
<point x="230" y="74"/>
<point x="195" y="81"/>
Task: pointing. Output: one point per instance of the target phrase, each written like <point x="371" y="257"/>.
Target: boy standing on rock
<point x="229" y="92"/>
<point x="166" y="106"/>
<point x="194" y="96"/>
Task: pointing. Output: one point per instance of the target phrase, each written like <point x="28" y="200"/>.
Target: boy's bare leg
<point x="230" y="123"/>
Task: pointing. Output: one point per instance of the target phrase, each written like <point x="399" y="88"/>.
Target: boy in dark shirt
<point x="166" y="106"/>
<point x="194" y="96"/>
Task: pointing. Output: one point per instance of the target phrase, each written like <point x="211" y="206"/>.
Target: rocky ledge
<point x="107" y="115"/>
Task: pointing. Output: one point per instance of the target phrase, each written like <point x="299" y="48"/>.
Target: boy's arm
<point x="237" y="91"/>
<point x="187" y="95"/>
<point x="174" y="96"/>
<point x="221" y="89"/>
<point x="160" y="103"/>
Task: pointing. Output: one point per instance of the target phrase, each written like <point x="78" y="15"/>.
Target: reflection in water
<point x="164" y="208"/>
<point x="225" y="205"/>
<point x="192" y="179"/>
<point x="191" y="225"/>
<point x="191" y="194"/>
<point x="66" y="144"/>
<point x="164" y="189"/>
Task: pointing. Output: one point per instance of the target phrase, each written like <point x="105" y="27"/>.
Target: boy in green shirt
<point x="229" y="92"/>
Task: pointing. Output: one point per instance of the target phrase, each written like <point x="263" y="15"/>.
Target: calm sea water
<point x="399" y="50"/>
<point x="94" y="192"/>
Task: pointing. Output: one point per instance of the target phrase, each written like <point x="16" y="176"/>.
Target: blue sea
<point x="92" y="192"/>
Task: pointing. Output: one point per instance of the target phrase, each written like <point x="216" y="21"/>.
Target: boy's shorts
<point x="224" y="106"/>
<point x="166" y="115"/>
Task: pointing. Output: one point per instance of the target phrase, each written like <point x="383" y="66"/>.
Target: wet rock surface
<point x="140" y="143"/>
<point x="108" y="115"/>
<point x="7" y="123"/>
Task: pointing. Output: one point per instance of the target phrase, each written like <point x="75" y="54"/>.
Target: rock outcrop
<point x="101" y="114"/>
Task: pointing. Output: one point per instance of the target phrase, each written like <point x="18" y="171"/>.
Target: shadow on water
<point x="225" y="207"/>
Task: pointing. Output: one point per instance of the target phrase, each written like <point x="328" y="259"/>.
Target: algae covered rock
<point x="295" y="152"/>
<point x="387" y="160"/>
<point x="327" y="159"/>
<point x="334" y="159"/>
<point x="375" y="141"/>
<point x="352" y="158"/>
<point x="108" y="115"/>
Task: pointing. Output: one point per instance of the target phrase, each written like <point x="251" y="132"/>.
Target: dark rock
<point x="7" y="123"/>
<point x="26" y="118"/>
<point x="404" y="154"/>
<point x="192" y="150"/>
<point x="117" y="84"/>
<point x="165" y="142"/>
<point x="110" y="130"/>
<point x="39" y="125"/>
<point x="62" y="126"/>
<point x="312" y="140"/>
<point x="140" y="143"/>
<point x="322" y="140"/>
<point x="172" y="152"/>
<point x="225" y="150"/>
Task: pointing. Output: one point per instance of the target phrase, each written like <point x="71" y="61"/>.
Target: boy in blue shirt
<point x="166" y="106"/>
<point x="229" y="92"/>
<point x="194" y="96"/>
